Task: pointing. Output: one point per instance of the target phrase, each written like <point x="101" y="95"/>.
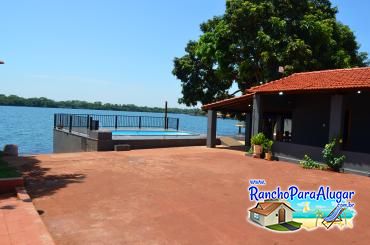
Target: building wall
<point x="63" y="141"/>
<point x="260" y="221"/>
<point x="158" y="143"/>
<point x="102" y="141"/>
<point x="310" y="127"/>
<point x="355" y="161"/>
<point x="296" y="152"/>
<point x="359" y="107"/>
<point x="309" y="113"/>
<point x="273" y="218"/>
<point x="310" y="120"/>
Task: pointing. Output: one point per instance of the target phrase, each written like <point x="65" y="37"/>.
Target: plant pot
<point x="8" y="185"/>
<point x="268" y="156"/>
<point x="257" y="151"/>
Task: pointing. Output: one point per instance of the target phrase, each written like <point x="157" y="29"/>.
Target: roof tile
<point x="353" y="78"/>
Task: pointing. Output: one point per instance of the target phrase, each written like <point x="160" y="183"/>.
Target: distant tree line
<point x="14" y="100"/>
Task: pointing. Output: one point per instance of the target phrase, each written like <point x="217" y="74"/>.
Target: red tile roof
<point x="339" y="79"/>
<point x="266" y="208"/>
<point x="234" y="102"/>
<point x="354" y="78"/>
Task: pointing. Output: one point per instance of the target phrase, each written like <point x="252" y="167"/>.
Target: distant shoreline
<point x="13" y="100"/>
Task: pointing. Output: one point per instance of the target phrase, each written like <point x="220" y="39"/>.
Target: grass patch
<point x="295" y="224"/>
<point x="277" y="227"/>
<point x="5" y="170"/>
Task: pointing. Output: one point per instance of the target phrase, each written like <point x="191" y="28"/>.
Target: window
<point x="287" y="130"/>
<point x="282" y="129"/>
<point x="256" y="216"/>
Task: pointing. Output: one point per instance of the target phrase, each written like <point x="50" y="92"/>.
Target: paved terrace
<point x="192" y="195"/>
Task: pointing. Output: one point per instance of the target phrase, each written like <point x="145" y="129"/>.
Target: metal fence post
<point x="88" y="121"/>
<point x="70" y="123"/>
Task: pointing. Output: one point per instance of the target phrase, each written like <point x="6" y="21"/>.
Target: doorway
<point x="281" y="215"/>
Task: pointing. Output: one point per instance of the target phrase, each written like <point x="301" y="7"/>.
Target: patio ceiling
<point x="237" y="104"/>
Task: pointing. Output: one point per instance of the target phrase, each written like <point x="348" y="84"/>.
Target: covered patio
<point x="304" y="111"/>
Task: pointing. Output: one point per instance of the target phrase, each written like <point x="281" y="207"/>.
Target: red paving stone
<point x="188" y="195"/>
<point x="20" y="223"/>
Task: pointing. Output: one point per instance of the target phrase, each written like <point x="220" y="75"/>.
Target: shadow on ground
<point x="38" y="181"/>
<point x="232" y="148"/>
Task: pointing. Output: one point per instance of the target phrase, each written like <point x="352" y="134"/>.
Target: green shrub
<point x="267" y="145"/>
<point x="307" y="162"/>
<point x="258" y="139"/>
<point x="330" y="158"/>
<point x="6" y="171"/>
<point x="250" y="151"/>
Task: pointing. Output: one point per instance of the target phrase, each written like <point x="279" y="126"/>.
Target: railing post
<point x="88" y="121"/>
<point x="177" y="124"/>
<point x="166" y="122"/>
<point x="115" y="121"/>
<point x="139" y="121"/>
<point x="55" y="121"/>
<point x="70" y="123"/>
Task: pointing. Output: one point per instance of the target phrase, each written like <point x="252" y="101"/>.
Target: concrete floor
<point x="190" y="195"/>
<point x="20" y="223"/>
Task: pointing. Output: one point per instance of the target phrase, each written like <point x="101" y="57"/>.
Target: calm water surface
<point x="31" y="128"/>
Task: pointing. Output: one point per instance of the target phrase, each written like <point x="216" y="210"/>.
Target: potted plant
<point x="267" y="147"/>
<point x="257" y="141"/>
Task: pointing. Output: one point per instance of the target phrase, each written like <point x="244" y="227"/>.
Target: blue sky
<point x="112" y="51"/>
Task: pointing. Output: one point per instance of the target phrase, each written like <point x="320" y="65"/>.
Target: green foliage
<point x="5" y="170"/>
<point x="258" y="139"/>
<point x="307" y="162"/>
<point x="13" y="100"/>
<point x="330" y="158"/>
<point x="261" y="139"/>
<point x="277" y="227"/>
<point x="250" y="151"/>
<point x="247" y="44"/>
<point x="267" y="145"/>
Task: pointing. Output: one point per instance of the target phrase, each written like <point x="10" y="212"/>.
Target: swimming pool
<point x="150" y="133"/>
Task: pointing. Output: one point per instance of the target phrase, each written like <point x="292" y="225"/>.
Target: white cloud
<point x="302" y="204"/>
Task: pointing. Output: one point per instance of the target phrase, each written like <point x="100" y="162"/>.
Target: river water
<point x="31" y="127"/>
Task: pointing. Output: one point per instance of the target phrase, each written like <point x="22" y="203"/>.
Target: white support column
<point x="256" y="114"/>
<point x="211" y="128"/>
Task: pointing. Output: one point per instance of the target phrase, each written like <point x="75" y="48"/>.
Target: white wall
<point x="260" y="221"/>
<point x="273" y="218"/>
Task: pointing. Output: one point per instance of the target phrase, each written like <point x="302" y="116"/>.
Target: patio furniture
<point x="334" y="216"/>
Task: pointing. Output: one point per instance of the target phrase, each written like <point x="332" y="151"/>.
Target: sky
<point x="116" y="51"/>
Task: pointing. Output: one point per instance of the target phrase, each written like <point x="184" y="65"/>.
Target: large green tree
<point x="253" y="38"/>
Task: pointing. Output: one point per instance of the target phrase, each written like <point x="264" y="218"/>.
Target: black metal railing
<point x="94" y="121"/>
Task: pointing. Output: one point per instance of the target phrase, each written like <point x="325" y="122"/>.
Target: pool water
<point x="150" y="133"/>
